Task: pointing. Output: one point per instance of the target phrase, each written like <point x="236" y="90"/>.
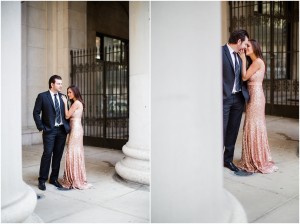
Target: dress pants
<point x="54" y="143"/>
<point x="233" y="108"/>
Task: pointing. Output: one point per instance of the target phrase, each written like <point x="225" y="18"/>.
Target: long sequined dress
<point x="75" y="173"/>
<point x="256" y="155"/>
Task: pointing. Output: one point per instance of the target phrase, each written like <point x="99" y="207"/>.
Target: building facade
<point x="173" y="49"/>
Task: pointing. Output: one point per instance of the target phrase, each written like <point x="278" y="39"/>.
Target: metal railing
<point x="104" y="85"/>
<point x="276" y="27"/>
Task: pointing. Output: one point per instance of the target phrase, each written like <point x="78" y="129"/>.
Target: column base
<point x="233" y="210"/>
<point x="135" y="166"/>
<point x="21" y="209"/>
<point x="33" y="218"/>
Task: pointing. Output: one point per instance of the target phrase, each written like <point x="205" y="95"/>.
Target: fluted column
<point x="18" y="200"/>
<point x="135" y="166"/>
<point x="186" y="115"/>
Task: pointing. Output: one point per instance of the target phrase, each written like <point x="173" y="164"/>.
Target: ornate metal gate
<point x="276" y="26"/>
<point x="104" y="84"/>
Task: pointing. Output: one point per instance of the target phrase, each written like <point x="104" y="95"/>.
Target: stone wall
<point x="110" y="18"/>
<point x="49" y="31"/>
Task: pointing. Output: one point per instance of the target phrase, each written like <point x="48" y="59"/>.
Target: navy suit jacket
<point x="228" y="75"/>
<point x="44" y="104"/>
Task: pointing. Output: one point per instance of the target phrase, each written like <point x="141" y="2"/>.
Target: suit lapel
<point x="50" y="99"/>
<point x="227" y="53"/>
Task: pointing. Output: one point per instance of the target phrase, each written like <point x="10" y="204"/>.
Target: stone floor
<point x="266" y="198"/>
<point x="110" y="200"/>
<point x="271" y="198"/>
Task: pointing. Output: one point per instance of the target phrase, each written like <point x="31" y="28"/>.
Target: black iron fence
<point x="275" y="24"/>
<point x="104" y="85"/>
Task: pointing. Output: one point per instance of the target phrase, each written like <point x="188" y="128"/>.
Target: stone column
<point x="135" y="166"/>
<point x="34" y="64"/>
<point x="18" y="200"/>
<point x="186" y="115"/>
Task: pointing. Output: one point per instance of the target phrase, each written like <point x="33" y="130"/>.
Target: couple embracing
<point x="242" y="84"/>
<point x="51" y="116"/>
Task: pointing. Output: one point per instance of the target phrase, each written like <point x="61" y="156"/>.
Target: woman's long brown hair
<point x="77" y="94"/>
<point x="256" y="50"/>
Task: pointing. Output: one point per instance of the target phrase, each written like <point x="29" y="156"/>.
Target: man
<point x="55" y="129"/>
<point x="235" y="94"/>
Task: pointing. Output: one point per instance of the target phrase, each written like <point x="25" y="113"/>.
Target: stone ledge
<point x="31" y="136"/>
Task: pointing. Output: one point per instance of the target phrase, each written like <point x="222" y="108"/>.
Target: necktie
<point x="57" y="110"/>
<point x="237" y="71"/>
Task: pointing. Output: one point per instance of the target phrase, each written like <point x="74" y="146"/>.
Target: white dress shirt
<point x="57" y="97"/>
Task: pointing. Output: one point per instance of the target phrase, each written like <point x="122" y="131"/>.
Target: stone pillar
<point x="225" y="21"/>
<point x="18" y="200"/>
<point x="136" y="166"/>
<point x="71" y="34"/>
<point x="34" y="64"/>
<point x="186" y="115"/>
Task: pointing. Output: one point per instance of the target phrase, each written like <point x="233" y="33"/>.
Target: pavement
<point x="266" y="198"/>
<point x="110" y="200"/>
<point x="271" y="198"/>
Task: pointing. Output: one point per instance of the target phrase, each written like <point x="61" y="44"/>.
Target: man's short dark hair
<point x="236" y="35"/>
<point x="52" y="79"/>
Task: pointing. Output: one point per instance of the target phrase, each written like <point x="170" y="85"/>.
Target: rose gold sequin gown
<point x="256" y="155"/>
<point x="75" y="174"/>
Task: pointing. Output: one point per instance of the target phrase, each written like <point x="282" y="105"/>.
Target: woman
<point x="256" y="155"/>
<point x="75" y="174"/>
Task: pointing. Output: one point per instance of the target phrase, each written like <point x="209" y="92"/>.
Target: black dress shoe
<point x="231" y="166"/>
<point x="42" y="186"/>
<point x="242" y="173"/>
<point x="63" y="189"/>
<point x="55" y="183"/>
